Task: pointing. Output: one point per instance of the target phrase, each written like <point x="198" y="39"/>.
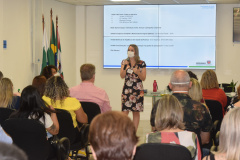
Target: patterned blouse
<point x="184" y="138"/>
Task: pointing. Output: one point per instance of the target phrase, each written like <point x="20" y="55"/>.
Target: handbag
<point x="61" y="147"/>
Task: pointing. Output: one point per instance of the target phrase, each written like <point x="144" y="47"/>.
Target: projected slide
<point x="168" y="36"/>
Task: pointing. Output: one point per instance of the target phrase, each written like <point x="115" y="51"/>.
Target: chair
<point x="91" y="109"/>
<point x="162" y="151"/>
<point x="5" y="114"/>
<point x="29" y="135"/>
<point x="215" y="148"/>
<point x="66" y="129"/>
<point x="216" y="110"/>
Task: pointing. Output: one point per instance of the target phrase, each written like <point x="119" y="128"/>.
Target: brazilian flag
<point x="53" y="48"/>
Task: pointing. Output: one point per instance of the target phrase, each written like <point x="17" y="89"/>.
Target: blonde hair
<point x="238" y="91"/>
<point x="56" y="89"/>
<point x="195" y="92"/>
<point x="230" y="135"/>
<point x="169" y="113"/>
<point x="6" y="92"/>
<point x="209" y="80"/>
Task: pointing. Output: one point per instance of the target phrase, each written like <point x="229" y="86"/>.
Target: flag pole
<point x="51" y="22"/>
<point x="43" y="22"/>
<point x="56" y="56"/>
<point x="56" y="21"/>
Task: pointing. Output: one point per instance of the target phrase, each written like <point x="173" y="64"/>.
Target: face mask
<point x="130" y="54"/>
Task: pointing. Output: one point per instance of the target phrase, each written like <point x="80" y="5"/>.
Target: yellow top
<point x="70" y="104"/>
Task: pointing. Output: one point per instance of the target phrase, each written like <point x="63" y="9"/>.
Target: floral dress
<point x="133" y="94"/>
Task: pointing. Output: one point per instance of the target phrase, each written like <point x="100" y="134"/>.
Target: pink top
<point x="88" y="92"/>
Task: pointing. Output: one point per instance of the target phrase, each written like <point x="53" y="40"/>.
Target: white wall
<point x="227" y="54"/>
<point x="21" y="26"/>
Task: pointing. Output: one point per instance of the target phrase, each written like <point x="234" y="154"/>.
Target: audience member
<point x="11" y="152"/>
<point x="229" y="146"/>
<point x="196" y="116"/>
<point x="39" y="82"/>
<point x="195" y="92"/>
<point x="7" y="99"/>
<point x="33" y="107"/>
<point x="49" y="71"/>
<point x="87" y="91"/>
<point x="235" y="102"/>
<point x="1" y="75"/>
<point x="112" y="136"/>
<point x="191" y="75"/>
<point x="170" y="127"/>
<point x="211" y="90"/>
<point x="57" y="95"/>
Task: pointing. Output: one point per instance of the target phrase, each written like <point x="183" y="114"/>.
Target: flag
<point x="59" y="52"/>
<point x="53" y="48"/>
<point x="45" y="49"/>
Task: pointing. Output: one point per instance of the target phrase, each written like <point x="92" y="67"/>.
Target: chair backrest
<point x="29" y="135"/>
<point x="162" y="151"/>
<point x="215" y="108"/>
<point x="91" y="109"/>
<point x="5" y="113"/>
<point x="66" y="128"/>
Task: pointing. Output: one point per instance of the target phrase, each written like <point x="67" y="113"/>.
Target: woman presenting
<point x="134" y="71"/>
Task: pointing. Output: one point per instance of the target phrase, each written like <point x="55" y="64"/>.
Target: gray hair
<point x="180" y="78"/>
<point x="10" y="151"/>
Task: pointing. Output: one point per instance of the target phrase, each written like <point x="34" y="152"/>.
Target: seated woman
<point x="57" y="95"/>
<point x="170" y="127"/>
<point x="49" y="71"/>
<point x="211" y="90"/>
<point x="7" y="99"/>
<point x="112" y="136"/>
<point x="235" y="102"/>
<point x="229" y="146"/>
<point x="195" y="92"/>
<point x="33" y="107"/>
<point x="39" y="82"/>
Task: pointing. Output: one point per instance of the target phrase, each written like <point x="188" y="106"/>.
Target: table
<point x="155" y="95"/>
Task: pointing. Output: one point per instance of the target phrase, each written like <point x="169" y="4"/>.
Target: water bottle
<point x="155" y="86"/>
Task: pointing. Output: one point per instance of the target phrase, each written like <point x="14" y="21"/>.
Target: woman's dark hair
<point x="31" y="105"/>
<point x="39" y="82"/>
<point x="192" y="75"/>
<point x="47" y="71"/>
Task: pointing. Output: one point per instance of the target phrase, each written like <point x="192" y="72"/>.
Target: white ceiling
<point x="108" y="2"/>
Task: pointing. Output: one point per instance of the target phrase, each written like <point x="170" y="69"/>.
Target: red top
<point x="215" y="94"/>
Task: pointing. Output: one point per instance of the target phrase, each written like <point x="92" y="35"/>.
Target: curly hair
<point x="47" y="71"/>
<point x="56" y="89"/>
